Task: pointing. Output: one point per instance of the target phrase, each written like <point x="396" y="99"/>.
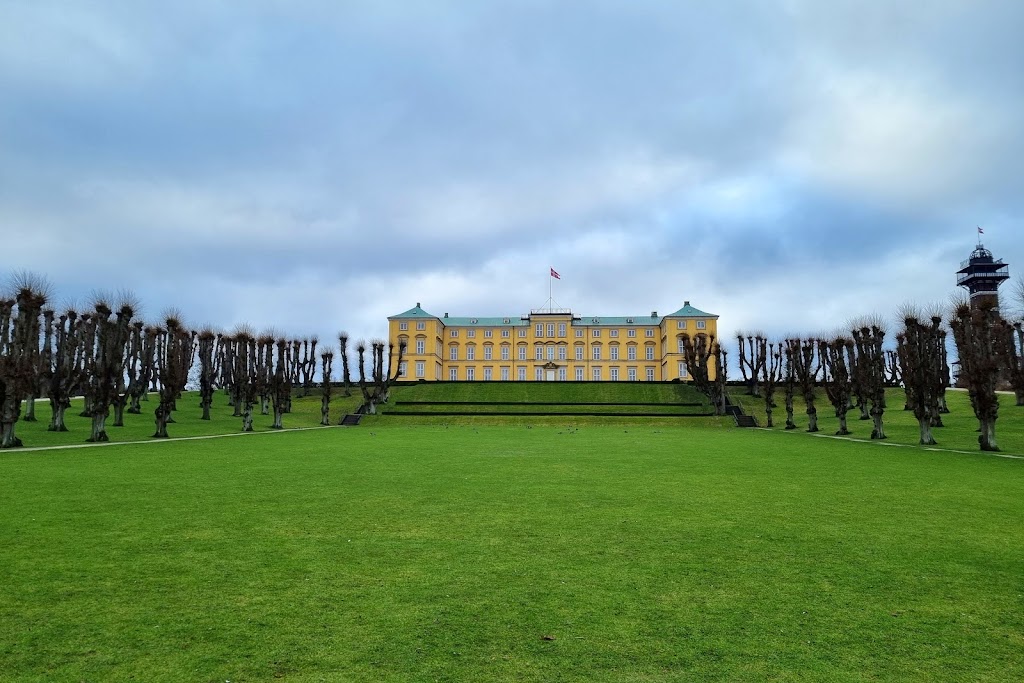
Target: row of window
<point x="420" y="325"/>
<point x="540" y="329"/>
<point x="539" y="351"/>
<point x="596" y="373"/>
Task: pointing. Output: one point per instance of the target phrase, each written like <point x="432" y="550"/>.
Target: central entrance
<point x="549" y="375"/>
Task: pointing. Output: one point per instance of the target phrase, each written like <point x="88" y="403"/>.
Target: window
<point x="631" y="333"/>
<point x="471" y="353"/>
<point x="649" y="332"/>
<point x="522" y="332"/>
<point x="551" y="353"/>
<point x="701" y="324"/>
<point x="680" y="324"/>
<point x="453" y="374"/>
<point x="504" y="352"/>
<point x="597" y="374"/>
<point x="596" y="352"/>
<point x="615" y="374"/>
<point x="470" y="374"/>
<point x="561" y="374"/>
<point x="579" y="374"/>
<point x="538" y="353"/>
<point x="403" y="326"/>
<point x="631" y="353"/>
<point x="522" y="374"/>
<point x="454" y="334"/>
<point x="551" y="329"/>
<point x="615" y="352"/>
<point x="649" y="353"/>
<point x="504" y="374"/>
<point x="522" y="353"/>
<point x="597" y="333"/>
<point x="453" y="353"/>
<point x="650" y="374"/>
<point x="487" y="352"/>
<point x="421" y="346"/>
<point x="487" y="333"/>
<point x="613" y="333"/>
<point x="539" y="331"/>
<point x="680" y="346"/>
<point x="682" y="369"/>
<point x="579" y="333"/>
<point x="561" y="352"/>
<point x="561" y="329"/>
<point x="631" y="374"/>
<point x="421" y="370"/>
<point x="470" y="333"/>
<point x="402" y="367"/>
<point x="487" y="374"/>
<point x="579" y="353"/>
<point x="421" y="325"/>
<point x="539" y="374"/>
<point x="505" y="333"/>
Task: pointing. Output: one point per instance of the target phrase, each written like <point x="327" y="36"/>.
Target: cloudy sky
<point x="319" y="165"/>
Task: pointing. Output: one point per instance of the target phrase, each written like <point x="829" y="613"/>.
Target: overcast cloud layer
<point x="317" y="166"/>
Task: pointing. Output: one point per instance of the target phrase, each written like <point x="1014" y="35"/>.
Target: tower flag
<point x="980" y="232"/>
<point x="555" y="274"/>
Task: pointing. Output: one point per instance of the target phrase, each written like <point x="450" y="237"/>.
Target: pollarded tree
<point x="981" y="336"/>
<point x="346" y="377"/>
<point x="175" y="344"/>
<point x="837" y="358"/>
<point x="806" y="367"/>
<point x="920" y="355"/>
<point x="66" y="369"/>
<point x="264" y="384"/>
<point x="307" y="365"/>
<point x="245" y="374"/>
<point x="281" y="382"/>
<point x="205" y="341"/>
<point x="893" y="371"/>
<point x="1015" y="360"/>
<point x="326" y="361"/>
<point x="789" y="381"/>
<point x="44" y="372"/>
<point x="382" y="377"/>
<point x="871" y="371"/>
<point x="105" y="369"/>
<point x="751" y="359"/>
<point x="19" y="349"/>
<point x="771" y="373"/>
<point x="699" y="350"/>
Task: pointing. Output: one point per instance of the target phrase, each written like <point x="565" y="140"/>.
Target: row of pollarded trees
<point x="854" y="369"/>
<point x="113" y="360"/>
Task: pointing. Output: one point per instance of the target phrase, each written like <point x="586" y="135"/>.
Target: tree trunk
<point x="134" y="408"/>
<point x="278" y="417"/>
<point x="119" y="404"/>
<point x="161" y="413"/>
<point x="843" y="430"/>
<point x="864" y="413"/>
<point x="57" y="420"/>
<point x="7" y="437"/>
<point x="1019" y="393"/>
<point x="789" y="412"/>
<point x="206" y="408"/>
<point x="30" y="409"/>
<point x="768" y="415"/>
<point x="325" y="410"/>
<point x="812" y="418"/>
<point x="264" y="405"/>
<point x="247" y="418"/>
<point x="925" y="424"/>
<point x="878" y="432"/>
<point x="987" y="437"/>
<point x="99" y="428"/>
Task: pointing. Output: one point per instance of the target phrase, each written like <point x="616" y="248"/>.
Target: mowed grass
<point x="511" y="554"/>
<point x="187" y="423"/>
<point x="958" y="433"/>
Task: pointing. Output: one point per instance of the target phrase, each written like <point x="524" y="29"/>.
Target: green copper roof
<point x="615" y="320"/>
<point x="414" y="312"/>
<point x="688" y="311"/>
<point x="510" y="321"/>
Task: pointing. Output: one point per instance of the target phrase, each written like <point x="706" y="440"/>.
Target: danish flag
<point x="554" y="274"/>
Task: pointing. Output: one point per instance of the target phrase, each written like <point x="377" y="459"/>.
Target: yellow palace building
<point x="547" y="345"/>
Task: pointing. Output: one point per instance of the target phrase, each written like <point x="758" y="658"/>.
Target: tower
<point x="981" y="275"/>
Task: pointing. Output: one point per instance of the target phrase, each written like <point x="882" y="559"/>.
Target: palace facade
<point x="547" y="345"/>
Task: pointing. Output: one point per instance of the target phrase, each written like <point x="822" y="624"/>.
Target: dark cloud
<point x="311" y="165"/>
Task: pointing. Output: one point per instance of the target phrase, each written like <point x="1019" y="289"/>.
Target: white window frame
<point x="421" y="325"/>
<point x="421" y="369"/>
<point x="538" y="331"/>
<point x="403" y="325"/>
<point x="421" y="346"/>
<point x="631" y="374"/>
<point x="538" y="374"/>
<point x="630" y="353"/>
<point x="453" y="374"/>
<point x="487" y="374"/>
<point x="650" y="374"/>
<point x="561" y="374"/>
<point x="631" y="333"/>
<point x="504" y="374"/>
<point x="504" y="352"/>
<point x="596" y="333"/>
<point x="579" y="352"/>
<point x="522" y="352"/>
<point x="579" y="374"/>
<point x="649" y="332"/>
<point x="453" y="353"/>
<point x="538" y="352"/>
<point x="470" y="374"/>
<point x="614" y="353"/>
<point x="471" y="333"/>
<point x="403" y="367"/>
<point x="521" y="373"/>
<point x="561" y="352"/>
<point x="579" y="333"/>
<point x="453" y="333"/>
<point x="551" y="330"/>
<point x="649" y="353"/>
<point x="614" y="372"/>
<point x="488" y="334"/>
<point x="595" y="352"/>
<point x="561" y="329"/>
<point x="701" y="325"/>
<point x="470" y="353"/>
<point x="505" y="333"/>
<point x="551" y="353"/>
<point x="595" y="374"/>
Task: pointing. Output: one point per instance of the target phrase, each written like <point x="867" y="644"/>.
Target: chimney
<point x="417" y="304"/>
<point x="446" y="315"/>
<point x="654" y="314"/>
<point x="686" y="303"/>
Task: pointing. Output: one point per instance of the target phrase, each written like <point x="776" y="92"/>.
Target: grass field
<point x="512" y="553"/>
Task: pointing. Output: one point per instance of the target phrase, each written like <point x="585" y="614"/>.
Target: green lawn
<point x="503" y="553"/>
<point x="305" y="413"/>
<point x="959" y="432"/>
